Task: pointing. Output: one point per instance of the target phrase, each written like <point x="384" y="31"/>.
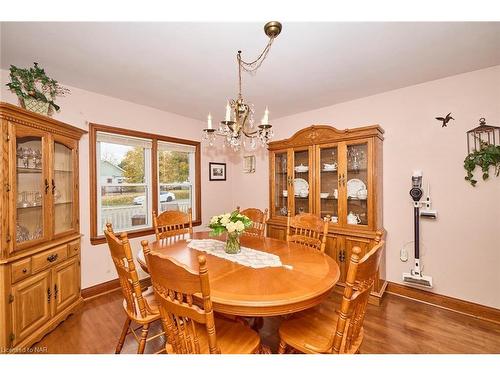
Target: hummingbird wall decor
<point x="445" y="120"/>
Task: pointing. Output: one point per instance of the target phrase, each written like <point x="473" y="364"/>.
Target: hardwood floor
<point x="399" y="325"/>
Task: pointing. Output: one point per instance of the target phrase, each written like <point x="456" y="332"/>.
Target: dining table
<point x="305" y="278"/>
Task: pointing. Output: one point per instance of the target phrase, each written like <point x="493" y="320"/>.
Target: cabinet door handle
<point x="55" y="291"/>
<point x="53" y="187"/>
<point x="46" y="186"/>
<point x="342" y="256"/>
<point x="25" y="270"/>
<point x="49" y="294"/>
<point x="52" y="258"/>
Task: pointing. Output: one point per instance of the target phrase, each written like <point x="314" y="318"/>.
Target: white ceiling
<point x="190" y="68"/>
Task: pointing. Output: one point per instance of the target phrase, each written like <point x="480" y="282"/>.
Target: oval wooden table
<point x="239" y="290"/>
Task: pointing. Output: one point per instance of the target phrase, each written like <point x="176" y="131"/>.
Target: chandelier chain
<point x="253" y="66"/>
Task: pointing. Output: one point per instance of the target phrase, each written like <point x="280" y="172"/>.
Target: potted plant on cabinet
<point x="35" y="90"/>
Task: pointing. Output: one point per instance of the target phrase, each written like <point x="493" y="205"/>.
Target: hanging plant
<point x="488" y="155"/>
<point x="33" y="83"/>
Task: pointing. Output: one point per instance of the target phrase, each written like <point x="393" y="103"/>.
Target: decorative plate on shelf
<point x="300" y="184"/>
<point x="353" y="186"/>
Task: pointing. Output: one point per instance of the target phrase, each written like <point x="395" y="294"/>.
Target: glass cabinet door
<point x="328" y="182"/>
<point x="280" y="184"/>
<point x="31" y="186"/>
<point x="302" y="189"/>
<point x="357" y="184"/>
<point x="63" y="187"/>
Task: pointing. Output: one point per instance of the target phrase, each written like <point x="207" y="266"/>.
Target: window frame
<point x="96" y="239"/>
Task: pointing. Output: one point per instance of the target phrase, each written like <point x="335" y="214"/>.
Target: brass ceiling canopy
<point x="272" y="29"/>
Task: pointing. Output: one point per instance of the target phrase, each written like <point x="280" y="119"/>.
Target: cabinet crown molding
<point x="318" y="134"/>
<point x="22" y="116"/>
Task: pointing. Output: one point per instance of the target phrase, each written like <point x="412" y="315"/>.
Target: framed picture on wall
<point x="249" y="164"/>
<point x="217" y="171"/>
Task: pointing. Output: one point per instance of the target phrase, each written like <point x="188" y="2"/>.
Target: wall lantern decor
<point x="482" y="135"/>
<point x="483" y="145"/>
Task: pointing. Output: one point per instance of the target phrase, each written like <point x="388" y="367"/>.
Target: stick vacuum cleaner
<point x="415" y="277"/>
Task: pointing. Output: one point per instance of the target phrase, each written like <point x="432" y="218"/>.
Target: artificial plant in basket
<point x="35" y="90"/>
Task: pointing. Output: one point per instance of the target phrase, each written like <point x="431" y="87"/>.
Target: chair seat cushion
<point x="232" y="338"/>
<point x="314" y="328"/>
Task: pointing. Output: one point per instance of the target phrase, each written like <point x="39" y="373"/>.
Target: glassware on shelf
<point x="22" y="233"/>
<point x="57" y="195"/>
<point x="38" y="198"/>
<point x="38" y="159"/>
<point x="24" y="200"/>
<point x="28" y="158"/>
<point x="26" y="154"/>
<point x="283" y="164"/>
<point x="356" y="158"/>
<point x="29" y="199"/>
<point x="36" y="234"/>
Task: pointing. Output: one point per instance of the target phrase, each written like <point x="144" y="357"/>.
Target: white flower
<point x="231" y="227"/>
<point x="214" y="219"/>
<point x="240" y="227"/>
<point x="224" y="220"/>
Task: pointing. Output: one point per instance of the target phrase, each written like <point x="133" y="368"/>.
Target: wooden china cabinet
<point x="325" y="171"/>
<point x="39" y="226"/>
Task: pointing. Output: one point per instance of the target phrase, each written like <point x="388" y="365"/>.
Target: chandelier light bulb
<point x="265" y="119"/>
<point x="228" y="112"/>
<point x="209" y="121"/>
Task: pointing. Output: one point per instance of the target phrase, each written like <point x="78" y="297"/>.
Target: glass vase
<point x="233" y="243"/>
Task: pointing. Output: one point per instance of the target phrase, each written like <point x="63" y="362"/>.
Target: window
<point x="134" y="174"/>
<point x="176" y="174"/>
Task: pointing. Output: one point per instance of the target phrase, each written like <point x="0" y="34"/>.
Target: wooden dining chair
<point x="308" y="230"/>
<point x="189" y="322"/>
<point x="140" y="307"/>
<point x="173" y="224"/>
<point x="259" y="220"/>
<point x="323" y="330"/>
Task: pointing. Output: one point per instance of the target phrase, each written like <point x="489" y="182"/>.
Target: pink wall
<point x="83" y="106"/>
<point x="462" y="247"/>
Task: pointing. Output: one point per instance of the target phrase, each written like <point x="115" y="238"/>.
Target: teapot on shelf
<point x="353" y="218"/>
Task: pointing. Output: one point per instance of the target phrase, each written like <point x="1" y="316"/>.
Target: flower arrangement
<point x="234" y="224"/>
<point x="32" y="85"/>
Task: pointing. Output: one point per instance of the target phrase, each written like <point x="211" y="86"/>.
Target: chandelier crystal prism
<point x="238" y="128"/>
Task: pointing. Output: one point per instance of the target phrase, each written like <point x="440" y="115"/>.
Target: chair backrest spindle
<point x="174" y="285"/>
<point x="173" y="224"/>
<point x="259" y="220"/>
<point x="121" y="253"/>
<point x="307" y="230"/>
<point x="361" y="276"/>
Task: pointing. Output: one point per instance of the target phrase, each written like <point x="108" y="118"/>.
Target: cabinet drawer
<point x="49" y="258"/>
<point x="73" y="248"/>
<point x="21" y="269"/>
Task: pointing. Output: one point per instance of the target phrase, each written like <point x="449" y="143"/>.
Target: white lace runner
<point x="246" y="257"/>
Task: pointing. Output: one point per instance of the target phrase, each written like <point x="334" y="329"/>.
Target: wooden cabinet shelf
<point x="357" y="153"/>
<point x="29" y="170"/>
<point x="39" y="267"/>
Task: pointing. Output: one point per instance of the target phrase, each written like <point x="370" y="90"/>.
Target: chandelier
<point x="238" y="128"/>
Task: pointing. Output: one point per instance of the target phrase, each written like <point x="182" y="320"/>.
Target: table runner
<point x="246" y="257"/>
